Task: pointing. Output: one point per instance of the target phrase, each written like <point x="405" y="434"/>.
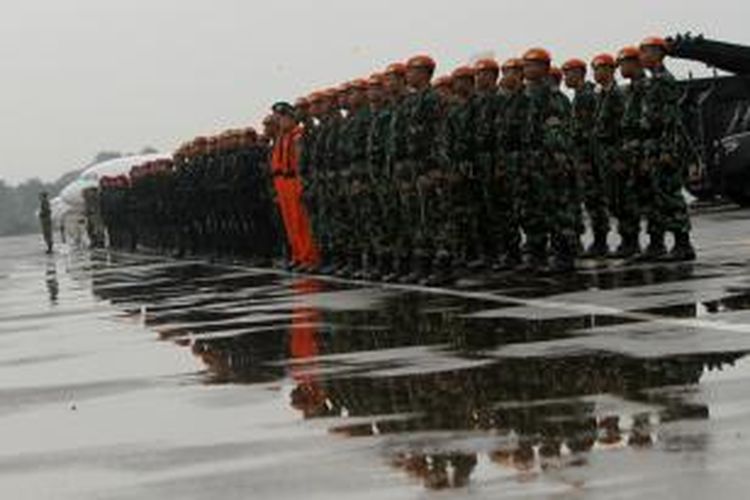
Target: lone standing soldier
<point x="45" y="218"/>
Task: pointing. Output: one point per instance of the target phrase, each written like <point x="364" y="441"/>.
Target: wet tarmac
<point x="134" y="376"/>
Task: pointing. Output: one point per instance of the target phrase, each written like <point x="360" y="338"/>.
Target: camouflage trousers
<point x="624" y="201"/>
<point x="502" y="206"/>
<point x="462" y="236"/>
<point x="550" y="203"/>
<point x="597" y="189"/>
<point x="668" y="211"/>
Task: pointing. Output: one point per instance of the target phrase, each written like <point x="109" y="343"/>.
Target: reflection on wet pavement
<point x="502" y="386"/>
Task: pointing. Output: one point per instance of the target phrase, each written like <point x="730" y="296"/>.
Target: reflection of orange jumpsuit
<point x="285" y="169"/>
<point x="308" y="397"/>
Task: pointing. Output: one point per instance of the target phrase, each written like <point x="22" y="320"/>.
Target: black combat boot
<point x="441" y="269"/>
<point x="420" y="268"/>
<point x="564" y="259"/>
<point x="656" y="249"/>
<point x="599" y="248"/>
<point x="683" y="250"/>
<point x="629" y="247"/>
<point x="399" y="269"/>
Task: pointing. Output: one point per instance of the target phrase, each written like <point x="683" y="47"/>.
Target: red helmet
<point x="603" y="60"/>
<point x="443" y="81"/>
<point x="487" y="65"/>
<point x="395" y="69"/>
<point x="654" y="41"/>
<point x="513" y="63"/>
<point x="628" y="53"/>
<point x="573" y="64"/>
<point x="421" y="61"/>
<point x="537" y="54"/>
<point x="359" y="84"/>
<point x="463" y="72"/>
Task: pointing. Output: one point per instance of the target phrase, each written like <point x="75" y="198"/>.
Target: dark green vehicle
<point x="717" y="118"/>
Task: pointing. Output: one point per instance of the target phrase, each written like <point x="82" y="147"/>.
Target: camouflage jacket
<point x="396" y="136"/>
<point x="547" y="124"/>
<point x="461" y="131"/>
<point x="377" y="140"/>
<point x="353" y="138"/>
<point x="488" y="108"/>
<point x="510" y="123"/>
<point x="661" y="109"/>
<point x="609" y="110"/>
<point x="633" y="110"/>
<point x="583" y="115"/>
<point x="424" y="128"/>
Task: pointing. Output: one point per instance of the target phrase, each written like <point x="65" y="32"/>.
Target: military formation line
<point x="403" y="176"/>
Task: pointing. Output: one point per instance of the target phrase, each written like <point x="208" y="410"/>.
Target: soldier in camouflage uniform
<point x="421" y="171"/>
<point x="582" y="128"/>
<point x="607" y="142"/>
<point x="500" y="237"/>
<point x="463" y="190"/>
<point x="377" y="260"/>
<point x="662" y="124"/>
<point x="353" y="175"/>
<point x="337" y="171"/>
<point x="633" y="187"/>
<point x="392" y="263"/>
<point x="326" y="158"/>
<point x="443" y="86"/>
<point x="548" y="215"/>
<point x="510" y="124"/>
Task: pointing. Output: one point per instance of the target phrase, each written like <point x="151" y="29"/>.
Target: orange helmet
<point x="537" y="55"/>
<point x="487" y="65"/>
<point x="603" y="60"/>
<point x="463" y="72"/>
<point x="575" y="63"/>
<point x="395" y="69"/>
<point x="421" y="61"/>
<point x="443" y="81"/>
<point x="556" y="73"/>
<point x="376" y="80"/>
<point x="654" y="41"/>
<point x="359" y="84"/>
<point x="513" y="63"/>
<point x="316" y="96"/>
<point x="627" y="53"/>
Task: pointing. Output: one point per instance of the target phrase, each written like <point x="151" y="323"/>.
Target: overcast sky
<point x="80" y="76"/>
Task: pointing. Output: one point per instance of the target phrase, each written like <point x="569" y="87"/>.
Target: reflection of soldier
<point x="53" y="287"/>
<point x="309" y="396"/>
<point x="45" y="219"/>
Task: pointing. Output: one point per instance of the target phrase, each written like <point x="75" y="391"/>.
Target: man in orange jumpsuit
<point x="285" y="171"/>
